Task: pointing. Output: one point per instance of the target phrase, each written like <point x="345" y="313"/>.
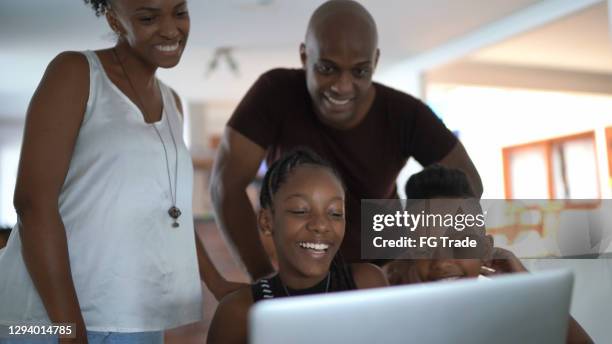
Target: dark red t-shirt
<point x="278" y="115"/>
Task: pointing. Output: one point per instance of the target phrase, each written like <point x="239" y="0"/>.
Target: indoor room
<point x="524" y="85"/>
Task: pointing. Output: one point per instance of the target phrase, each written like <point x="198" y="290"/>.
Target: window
<point x="558" y="168"/>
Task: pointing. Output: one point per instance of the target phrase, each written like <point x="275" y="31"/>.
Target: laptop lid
<point x="518" y="308"/>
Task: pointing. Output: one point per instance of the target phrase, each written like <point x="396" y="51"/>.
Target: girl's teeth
<point x="314" y="246"/>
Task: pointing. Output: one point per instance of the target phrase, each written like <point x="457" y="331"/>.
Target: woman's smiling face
<point x="156" y="30"/>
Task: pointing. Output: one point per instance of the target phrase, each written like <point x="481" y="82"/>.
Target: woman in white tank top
<point x="105" y="237"/>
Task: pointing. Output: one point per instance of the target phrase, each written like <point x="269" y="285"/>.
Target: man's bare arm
<point x="235" y="166"/>
<point x="458" y="158"/>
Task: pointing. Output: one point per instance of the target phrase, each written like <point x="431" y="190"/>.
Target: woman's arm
<point x="576" y="334"/>
<point x="229" y="324"/>
<point x="216" y="283"/>
<point x="52" y="125"/>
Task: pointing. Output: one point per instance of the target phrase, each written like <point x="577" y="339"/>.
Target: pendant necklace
<point x="174" y="211"/>
<point x="326" y="285"/>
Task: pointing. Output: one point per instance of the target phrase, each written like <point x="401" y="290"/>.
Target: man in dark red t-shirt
<point x="366" y="130"/>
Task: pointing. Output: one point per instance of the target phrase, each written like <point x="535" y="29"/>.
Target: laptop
<point x="517" y="308"/>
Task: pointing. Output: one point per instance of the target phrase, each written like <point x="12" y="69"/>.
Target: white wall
<point x="489" y="119"/>
<point x="10" y="142"/>
<point x="205" y="120"/>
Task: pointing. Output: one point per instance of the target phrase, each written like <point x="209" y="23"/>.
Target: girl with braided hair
<point x="302" y="208"/>
<point x="103" y="179"/>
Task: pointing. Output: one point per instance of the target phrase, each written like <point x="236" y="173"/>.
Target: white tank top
<point x="132" y="270"/>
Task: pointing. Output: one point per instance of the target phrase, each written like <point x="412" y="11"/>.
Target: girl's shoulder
<point x="231" y="313"/>
<point x="368" y="275"/>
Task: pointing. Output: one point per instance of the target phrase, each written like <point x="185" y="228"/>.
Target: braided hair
<point x="278" y="172"/>
<point x="277" y="175"/>
<point x="438" y="181"/>
<point x="99" y="6"/>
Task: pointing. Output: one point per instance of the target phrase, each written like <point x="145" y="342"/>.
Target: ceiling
<point x="580" y="42"/>
<point x="571" y="54"/>
<point x="264" y="34"/>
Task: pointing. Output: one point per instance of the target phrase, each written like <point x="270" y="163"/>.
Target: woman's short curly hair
<point x="100" y="6"/>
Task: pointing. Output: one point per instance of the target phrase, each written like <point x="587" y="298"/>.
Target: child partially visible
<point x="439" y="182"/>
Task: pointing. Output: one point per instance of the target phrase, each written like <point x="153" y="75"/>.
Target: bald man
<point x="366" y="130"/>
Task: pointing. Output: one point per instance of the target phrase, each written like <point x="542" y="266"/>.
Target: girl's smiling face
<point x="307" y="222"/>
